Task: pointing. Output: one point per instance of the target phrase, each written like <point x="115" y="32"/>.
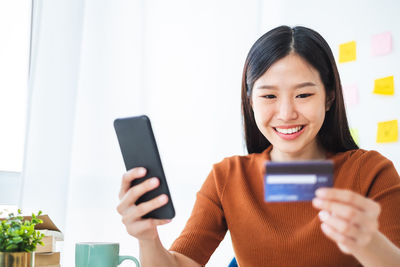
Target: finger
<point x="368" y="219"/>
<point x="345" y="243"/>
<point x="344" y="249"/>
<point x="344" y="211"/>
<point x="134" y="213"/>
<point x="158" y="222"/>
<point x="144" y="225"/>
<point x="148" y="206"/>
<point x="128" y="177"/>
<point x="135" y="192"/>
<point x="373" y="209"/>
<point x="339" y="225"/>
<point x="165" y="221"/>
<point x="345" y="196"/>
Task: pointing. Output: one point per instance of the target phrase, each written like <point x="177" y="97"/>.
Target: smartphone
<point x="139" y="149"/>
<point x="296" y="180"/>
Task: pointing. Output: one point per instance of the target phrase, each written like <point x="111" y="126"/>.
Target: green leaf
<point x="11" y="247"/>
<point x="18" y="235"/>
<point x="17" y="239"/>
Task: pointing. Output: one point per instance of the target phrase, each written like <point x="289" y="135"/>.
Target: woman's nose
<point x="286" y="111"/>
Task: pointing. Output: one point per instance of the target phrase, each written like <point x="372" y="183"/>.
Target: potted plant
<point x="18" y="240"/>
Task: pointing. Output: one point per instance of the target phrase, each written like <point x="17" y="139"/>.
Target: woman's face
<point x="289" y="103"/>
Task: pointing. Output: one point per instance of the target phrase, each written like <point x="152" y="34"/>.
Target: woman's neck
<point x="312" y="152"/>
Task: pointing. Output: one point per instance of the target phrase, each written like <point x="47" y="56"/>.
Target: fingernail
<point x="323" y="215"/>
<point x="153" y="181"/>
<point x="141" y="171"/>
<point x="324" y="227"/>
<point x="317" y="202"/>
<point x="163" y="199"/>
<point x="320" y="192"/>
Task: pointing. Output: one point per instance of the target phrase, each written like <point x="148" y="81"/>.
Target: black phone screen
<point x="139" y="149"/>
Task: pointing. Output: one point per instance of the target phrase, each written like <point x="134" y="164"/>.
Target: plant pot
<point x="16" y="259"/>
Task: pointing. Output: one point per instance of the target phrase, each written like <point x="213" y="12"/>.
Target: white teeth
<point x="289" y="130"/>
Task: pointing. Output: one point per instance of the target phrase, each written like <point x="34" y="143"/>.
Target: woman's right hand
<point x="142" y="229"/>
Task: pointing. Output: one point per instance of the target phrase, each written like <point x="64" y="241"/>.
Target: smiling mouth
<point x="289" y="131"/>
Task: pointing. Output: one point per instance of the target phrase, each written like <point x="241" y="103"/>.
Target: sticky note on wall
<point x="387" y="132"/>
<point x="354" y="134"/>
<point x="350" y="94"/>
<point x="381" y="44"/>
<point x="384" y="86"/>
<point x="347" y="52"/>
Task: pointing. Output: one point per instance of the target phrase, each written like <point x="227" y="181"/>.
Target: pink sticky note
<point x="381" y="44"/>
<point x="350" y="94"/>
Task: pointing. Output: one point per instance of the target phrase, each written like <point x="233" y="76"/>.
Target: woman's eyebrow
<point x="266" y="87"/>
<point x="300" y="85"/>
<point x="305" y="84"/>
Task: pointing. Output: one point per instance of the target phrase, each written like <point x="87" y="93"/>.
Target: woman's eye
<point x="303" y="95"/>
<point x="269" y="96"/>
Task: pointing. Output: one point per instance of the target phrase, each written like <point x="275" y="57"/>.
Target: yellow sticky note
<point x="387" y="132"/>
<point x="347" y="52"/>
<point x="354" y="134"/>
<point x="384" y="86"/>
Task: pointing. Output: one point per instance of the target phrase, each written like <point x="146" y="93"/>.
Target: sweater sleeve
<point x="380" y="181"/>
<point x="206" y="226"/>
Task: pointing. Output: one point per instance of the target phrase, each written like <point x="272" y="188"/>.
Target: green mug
<point x="96" y="254"/>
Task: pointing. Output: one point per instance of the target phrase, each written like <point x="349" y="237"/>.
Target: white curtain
<point x="55" y="64"/>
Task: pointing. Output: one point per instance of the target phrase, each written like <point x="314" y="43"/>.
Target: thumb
<point x="158" y="222"/>
<point x="344" y="249"/>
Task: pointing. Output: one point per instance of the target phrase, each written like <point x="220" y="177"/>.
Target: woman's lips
<point x="289" y="136"/>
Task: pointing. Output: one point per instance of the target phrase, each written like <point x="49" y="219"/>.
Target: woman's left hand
<point x="348" y="218"/>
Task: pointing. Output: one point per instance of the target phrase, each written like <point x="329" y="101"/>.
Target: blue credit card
<point x="296" y="181"/>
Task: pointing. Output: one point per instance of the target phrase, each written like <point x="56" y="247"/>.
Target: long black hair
<point x="334" y="134"/>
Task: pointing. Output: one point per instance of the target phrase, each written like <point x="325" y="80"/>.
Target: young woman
<point x="293" y="109"/>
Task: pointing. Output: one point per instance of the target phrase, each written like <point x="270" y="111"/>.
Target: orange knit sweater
<point x="282" y="234"/>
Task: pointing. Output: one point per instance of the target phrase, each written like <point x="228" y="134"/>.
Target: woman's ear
<point x="330" y="98"/>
